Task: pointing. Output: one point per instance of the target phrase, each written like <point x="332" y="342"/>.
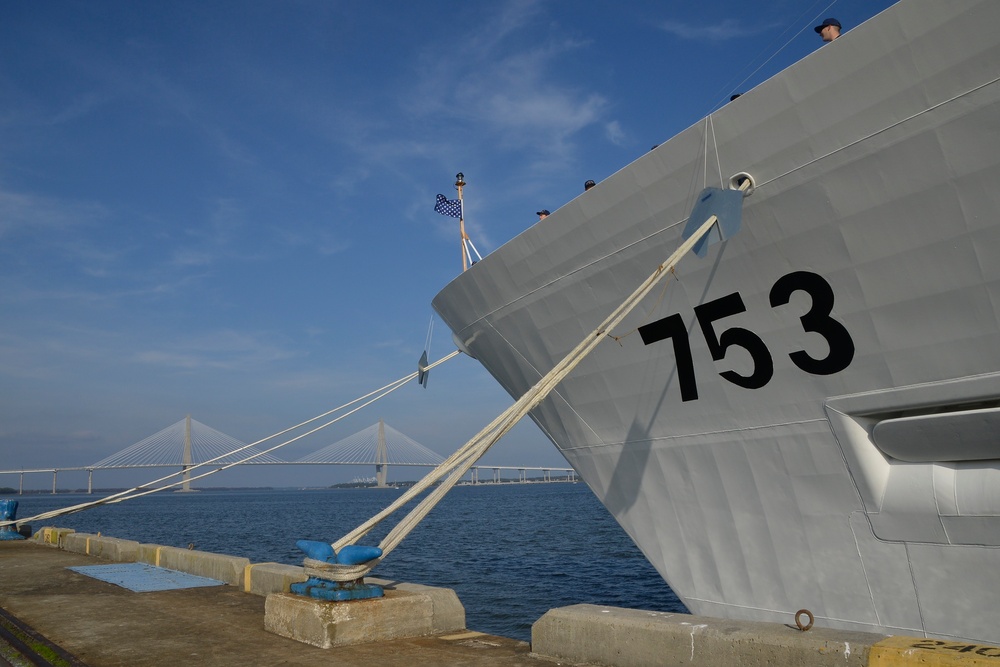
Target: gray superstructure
<point x="810" y="417"/>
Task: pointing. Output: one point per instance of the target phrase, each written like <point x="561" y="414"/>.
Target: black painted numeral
<point x="732" y="304"/>
<point x="817" y="320"/>
<point x="672" y="327"/>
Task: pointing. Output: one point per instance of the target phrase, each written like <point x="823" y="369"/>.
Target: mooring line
<point x="144" y="490"/>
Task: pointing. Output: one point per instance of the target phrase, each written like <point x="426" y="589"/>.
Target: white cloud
<point x="495" y="90"/>
<point x="192" y="257"/>
<point x="718" y="32"/>
<point x="614" y="132"/>
<point x="227" y="350"/>
<point x="22" y="212"/>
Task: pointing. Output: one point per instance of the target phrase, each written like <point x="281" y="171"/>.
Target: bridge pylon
<point x="381" y="457"/>
<point x="186" y="458"/>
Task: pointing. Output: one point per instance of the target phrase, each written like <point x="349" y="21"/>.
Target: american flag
<point x="445" y="206"/>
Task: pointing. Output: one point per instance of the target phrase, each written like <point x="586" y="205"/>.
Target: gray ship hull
<point x="807" y="417"/>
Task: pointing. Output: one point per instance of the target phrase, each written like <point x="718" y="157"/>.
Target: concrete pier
<point x="103" y="625"/>
<point x="636" y="638"/>
<point x="253" y="621"/>
<point x="591" y="634"/>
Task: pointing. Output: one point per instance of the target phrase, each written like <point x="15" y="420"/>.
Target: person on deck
<point x="544" y="213"/>
<point x="829" y="29"/>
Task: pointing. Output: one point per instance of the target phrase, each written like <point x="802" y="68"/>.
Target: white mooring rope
<point x="145" y="490"/>
<point x="456" y="465"/>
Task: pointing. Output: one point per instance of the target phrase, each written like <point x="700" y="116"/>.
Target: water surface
<point x="510" y="552"/>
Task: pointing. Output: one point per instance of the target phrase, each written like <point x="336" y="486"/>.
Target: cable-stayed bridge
<point x="189" y="443"/>
<point x="371" y="446"/>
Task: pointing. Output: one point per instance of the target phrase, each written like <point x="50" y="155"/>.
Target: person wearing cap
<point x="588" y="185"/>
<point x="829" y="29"/>
<point x="544" y="213"/>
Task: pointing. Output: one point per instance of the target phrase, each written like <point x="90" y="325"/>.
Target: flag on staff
<point x="445" y="206"/>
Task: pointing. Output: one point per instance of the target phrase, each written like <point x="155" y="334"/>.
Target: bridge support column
<point x="90" y="480"/>
<point x="381" y="458"/>
<point x="54" y="473"/>
<point x="186" y="456"/>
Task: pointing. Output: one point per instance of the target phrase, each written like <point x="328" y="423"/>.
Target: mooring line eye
<point x="742" y="181"/>
<point x="798" y="619"/>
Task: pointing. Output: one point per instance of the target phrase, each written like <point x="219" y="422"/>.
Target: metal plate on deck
<point x="142" y="578"/>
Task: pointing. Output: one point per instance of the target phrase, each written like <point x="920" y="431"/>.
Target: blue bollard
<point x="337" y="591"/>
<point x="8" y="512"/>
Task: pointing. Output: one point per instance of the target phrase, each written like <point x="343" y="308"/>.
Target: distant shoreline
<point x="8" y="491"/>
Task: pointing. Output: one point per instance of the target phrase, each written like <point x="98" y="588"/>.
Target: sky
<point x="225" y="209"/>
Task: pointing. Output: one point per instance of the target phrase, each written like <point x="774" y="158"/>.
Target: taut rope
<point x="456" y="465"/>
<point x="144" y="490"/>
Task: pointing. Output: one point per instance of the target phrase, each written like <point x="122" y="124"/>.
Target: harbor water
<point x="511" y="552"/>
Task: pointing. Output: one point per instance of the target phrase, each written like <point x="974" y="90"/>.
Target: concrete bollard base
<point x="324" y="624"/>
<point x="634" y="638"/>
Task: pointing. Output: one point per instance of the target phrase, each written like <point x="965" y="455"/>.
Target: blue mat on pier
<point x="142" y="578"/>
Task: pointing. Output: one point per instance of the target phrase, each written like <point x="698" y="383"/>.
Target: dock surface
<point x="51" y="616"/>
<point x="103" y="625"/>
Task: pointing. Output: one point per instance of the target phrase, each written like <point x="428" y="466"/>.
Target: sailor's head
<point x="829" y="29"/>
<point x="542" y="214"/>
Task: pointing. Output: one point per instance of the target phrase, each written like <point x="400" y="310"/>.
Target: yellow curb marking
<point x="463" y="635"/>
<point x="901" y="651"/>
<point x="246" y="577"/>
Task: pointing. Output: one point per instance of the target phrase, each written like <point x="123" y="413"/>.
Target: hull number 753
<point x="817" y="320"/>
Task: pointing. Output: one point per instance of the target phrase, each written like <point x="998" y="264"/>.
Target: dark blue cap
<point x="827" y="22"/>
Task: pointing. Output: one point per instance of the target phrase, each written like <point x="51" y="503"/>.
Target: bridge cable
<point x="143" y="490"/>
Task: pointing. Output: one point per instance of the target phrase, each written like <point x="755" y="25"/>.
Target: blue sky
<point x="224" y="209"/>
